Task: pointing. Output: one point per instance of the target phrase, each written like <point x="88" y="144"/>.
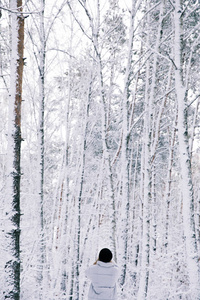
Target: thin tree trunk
<point x="12" y="267"/>
<point x="125" y="151"/>
<point x="167" y="196"/>
<point x="194" y="125"/>
<point x="41" y="68"/>
<point x="185" y="163"/>
<point x="79" y="204"/>
<point x="145" y="191"/>
<point x="145" y="250"/>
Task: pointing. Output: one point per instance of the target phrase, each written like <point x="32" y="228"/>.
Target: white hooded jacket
<point x="103" y="278"/>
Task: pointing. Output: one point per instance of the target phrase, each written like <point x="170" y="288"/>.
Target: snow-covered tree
<point x="12" y="213"/>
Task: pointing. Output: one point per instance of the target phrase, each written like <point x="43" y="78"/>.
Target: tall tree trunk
<point x="145" y="195"/>
<point x="12" y="267"/>
<point x="167" y="195"/>
<point x="41" y="68"/>
<point x="125" y="150"/>
<point x="155" y="125"/>
<point x="146" y="187"/>
<point x="79" y="200"/>
<point x="185" y="162"/>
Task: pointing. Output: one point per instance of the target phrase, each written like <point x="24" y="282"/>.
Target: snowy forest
<point x="99" y="146"/>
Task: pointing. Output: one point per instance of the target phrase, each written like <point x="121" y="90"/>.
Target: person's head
<point x="105" y="255"/>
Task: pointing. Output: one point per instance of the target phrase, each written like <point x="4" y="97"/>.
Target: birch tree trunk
<point x="167" y="196"/>
<point x="12" y="228"/>
<point x="155" y="124"/>
<point x="146" y="186"/>
<point x="41" y="67"/>
<point x="145" y="195"/>
<point x="185" y="162"/>
<point x="79" y="200"/>
<point x="125" y="150"/>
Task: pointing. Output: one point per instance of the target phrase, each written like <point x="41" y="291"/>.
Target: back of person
<point x="103" y="275"/>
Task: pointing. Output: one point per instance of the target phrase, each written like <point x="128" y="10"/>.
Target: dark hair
<point x="105" y="255"/>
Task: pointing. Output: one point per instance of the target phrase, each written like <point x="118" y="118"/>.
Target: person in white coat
<point x="103" y="275"/>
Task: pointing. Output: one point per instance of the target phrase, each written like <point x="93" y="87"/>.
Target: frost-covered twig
<point x="18" y="11"/>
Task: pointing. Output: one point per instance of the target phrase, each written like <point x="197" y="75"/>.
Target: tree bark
<point x="41" y="68"/>
<point x="12" y="267"/>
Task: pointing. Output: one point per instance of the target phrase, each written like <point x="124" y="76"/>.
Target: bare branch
<point x="192" y="101"/>
<point x="78" y="22"/>
<point x="18" y="11"/>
